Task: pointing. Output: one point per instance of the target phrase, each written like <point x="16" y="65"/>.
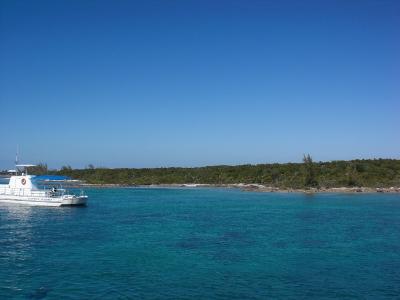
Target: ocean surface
<point x="203" y="244"/>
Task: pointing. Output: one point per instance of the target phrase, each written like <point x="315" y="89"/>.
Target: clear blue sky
<point x="189" y="83"/>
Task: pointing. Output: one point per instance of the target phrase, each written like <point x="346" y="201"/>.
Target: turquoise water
<point x="203" y="244"/>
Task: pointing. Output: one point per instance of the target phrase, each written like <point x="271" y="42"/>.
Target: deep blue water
<point x="203" y="244"/>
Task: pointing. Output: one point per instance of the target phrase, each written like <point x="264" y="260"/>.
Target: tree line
<point x="367" y="173"/>
<point x="364" y="172"/>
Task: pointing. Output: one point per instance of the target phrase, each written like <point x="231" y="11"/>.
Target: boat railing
<point x="33" y="193"/>
<point x="56" y="192"/>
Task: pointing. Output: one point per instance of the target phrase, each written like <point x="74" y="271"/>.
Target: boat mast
<point x="16" y="161"/>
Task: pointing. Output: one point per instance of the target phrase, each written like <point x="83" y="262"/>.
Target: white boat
<point x="23" y="189"/>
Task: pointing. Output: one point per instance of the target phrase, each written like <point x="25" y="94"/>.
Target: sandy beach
<point x="257" y="188"/>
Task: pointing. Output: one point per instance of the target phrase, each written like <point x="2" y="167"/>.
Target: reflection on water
<point x="16" y="229"/>
<point x="18" y="212"/>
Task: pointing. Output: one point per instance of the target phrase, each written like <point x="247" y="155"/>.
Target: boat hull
<point x="75" y="201"/>
<point x="48" y="201"/>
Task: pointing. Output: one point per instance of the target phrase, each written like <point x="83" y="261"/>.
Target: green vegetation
<point x="310" y="179"/>
<point x="367" y="173"/>
<point x="39" y="169"/>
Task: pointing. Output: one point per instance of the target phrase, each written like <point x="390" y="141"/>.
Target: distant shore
<point x="257" y="188"/>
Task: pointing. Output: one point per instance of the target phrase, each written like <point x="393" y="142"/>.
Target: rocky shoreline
<point x="257" y="188"/>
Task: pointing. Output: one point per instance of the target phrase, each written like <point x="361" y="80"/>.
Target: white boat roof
<point x="26" y="165"/>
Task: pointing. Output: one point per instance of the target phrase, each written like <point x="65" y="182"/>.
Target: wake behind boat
<point x="23" y="189"/>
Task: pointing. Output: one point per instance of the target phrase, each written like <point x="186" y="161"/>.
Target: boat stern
<point x="72" y="200"/>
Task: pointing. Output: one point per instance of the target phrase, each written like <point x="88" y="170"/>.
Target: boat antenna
<point x="16" y="159"/>
<point x="16" y="156"/>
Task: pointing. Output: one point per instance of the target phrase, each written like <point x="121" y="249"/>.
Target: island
<point x="361" y="175"/>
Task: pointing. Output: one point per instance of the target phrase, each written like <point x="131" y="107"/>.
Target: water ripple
<point x="202" y="244"/>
